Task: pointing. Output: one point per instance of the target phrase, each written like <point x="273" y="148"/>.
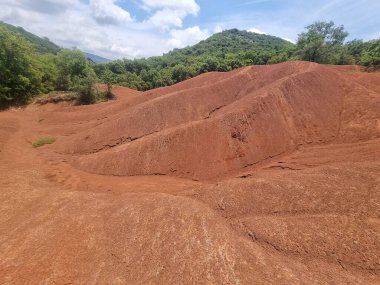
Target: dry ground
<point x="264" y="175"/>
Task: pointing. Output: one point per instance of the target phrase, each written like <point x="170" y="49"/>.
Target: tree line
<point x="25" y="72"/>
<point x="322" y="42"/>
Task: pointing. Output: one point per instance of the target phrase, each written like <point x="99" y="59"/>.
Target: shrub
<point x="371" y="56"/>
<point x="85" y="86"/>
<point x="109" y="80"/>
<point x="43" y="141"/>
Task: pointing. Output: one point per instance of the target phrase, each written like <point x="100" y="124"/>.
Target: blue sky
<point x="142" y="28"/>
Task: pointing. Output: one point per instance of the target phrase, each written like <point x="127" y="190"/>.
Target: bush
<point x="371" y="56"/>
<point x="109" y="79"/>
<point x="85" y="86"/>
<point x="43" y="141"/>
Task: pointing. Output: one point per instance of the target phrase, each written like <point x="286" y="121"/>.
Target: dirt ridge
<point x="264" y="175"/>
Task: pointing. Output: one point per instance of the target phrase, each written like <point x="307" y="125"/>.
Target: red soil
<point x="264" y="175"/>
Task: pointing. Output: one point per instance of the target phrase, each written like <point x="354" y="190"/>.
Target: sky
<point x="142" y="28"/>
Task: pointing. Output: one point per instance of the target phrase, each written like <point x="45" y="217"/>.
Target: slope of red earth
<point x="263" y="175"/>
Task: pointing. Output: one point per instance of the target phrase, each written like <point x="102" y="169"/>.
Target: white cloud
<point x="255" y="30"/>
<point x="77" y="27"/>
<point x="186" y="37"/>
<point x="103" y="27"/>
<point x="189" y="6"/>
<point x="42" y="6"/>
<point x="170" y="13"/>
<point x="122" y="49"/>
<point x="107" y="12"/>
<point x="166" y="18"/>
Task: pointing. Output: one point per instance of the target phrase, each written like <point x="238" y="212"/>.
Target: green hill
<point x="224" y="45"/>
<point x="221" y="52"/>
<point x="233" y="41"/>
<point x="41" y="45"/>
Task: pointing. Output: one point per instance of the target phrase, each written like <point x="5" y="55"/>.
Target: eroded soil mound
<point x="209" y="126"/>
<point x="263" y="175"/>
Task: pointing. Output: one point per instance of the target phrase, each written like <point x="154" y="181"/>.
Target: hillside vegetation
<point x="232" y="41"/>
<point x="30" y="65"/>
<point x="322" y="42"/>
<point x="24" y="72"/>
<point x="224" y="51"/>
<point x="41" y="45"/>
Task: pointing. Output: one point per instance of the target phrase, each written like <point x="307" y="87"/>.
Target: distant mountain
<point x="96" y="59"/>
<point x="42" y="45"/>
<point x="229" y="42"/>
<point x="233" y="41"/>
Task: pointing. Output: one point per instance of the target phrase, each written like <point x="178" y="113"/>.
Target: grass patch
<point x="43" y="141"/>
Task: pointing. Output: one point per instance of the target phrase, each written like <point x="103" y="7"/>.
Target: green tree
<point x="356" y="49"/>
<point x="48" y="68"/>
<point x="321" y="42"/>
<point x="285" y="54"/>
<point x="164" y="78"/>
<point x="20" y="77"/>
<point x="180" y="73"/>
<point x="85" y="86"/>
<point x="109" y="79"/>
<point x="332" y="34"/>
<point x="371" y="56"/>
<point x="70" y="64"/>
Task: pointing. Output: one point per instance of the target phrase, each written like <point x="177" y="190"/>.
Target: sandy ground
<point x="264" y="175"/>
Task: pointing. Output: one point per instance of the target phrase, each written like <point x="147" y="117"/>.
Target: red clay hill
<point x="263" y="175"/>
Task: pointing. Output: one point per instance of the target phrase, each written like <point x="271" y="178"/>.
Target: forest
<point x="30" y="65"/>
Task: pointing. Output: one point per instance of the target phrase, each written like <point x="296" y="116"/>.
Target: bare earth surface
<point x="263" y="175"/>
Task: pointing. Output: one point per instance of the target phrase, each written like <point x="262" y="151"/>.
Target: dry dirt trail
<point x="263" y="175"/>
